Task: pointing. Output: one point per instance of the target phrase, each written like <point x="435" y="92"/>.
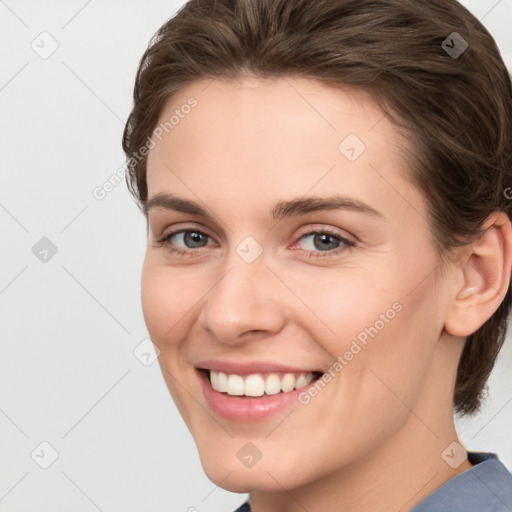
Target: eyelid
<point x="322" y="228"/>
<point x="186" y="227"/>
<point x="347" y="241"/>
<point x="164" y="242"/>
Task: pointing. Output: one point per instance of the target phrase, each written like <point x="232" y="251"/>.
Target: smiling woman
<point x="327" y="275"/>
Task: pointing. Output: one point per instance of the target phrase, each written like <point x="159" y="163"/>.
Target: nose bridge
<point x="241" y="300"/>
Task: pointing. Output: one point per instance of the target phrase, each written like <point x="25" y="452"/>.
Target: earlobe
<point x="485" y="277"/>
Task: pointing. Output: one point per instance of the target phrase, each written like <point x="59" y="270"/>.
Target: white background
<point x="69" y="326"/>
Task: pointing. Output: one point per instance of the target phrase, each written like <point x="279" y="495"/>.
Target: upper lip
<point x="250" y="367"/>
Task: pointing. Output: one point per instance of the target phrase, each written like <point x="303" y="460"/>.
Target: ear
<point x="484" y="277"/>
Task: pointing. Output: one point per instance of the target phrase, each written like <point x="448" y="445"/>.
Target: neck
<point x="396" y="476"/>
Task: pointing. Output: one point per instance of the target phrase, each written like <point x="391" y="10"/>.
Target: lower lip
<point x="247" y="409"/>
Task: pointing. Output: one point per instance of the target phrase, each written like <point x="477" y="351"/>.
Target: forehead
<point x="275" y="136"/>
<point x="276" y="113"/>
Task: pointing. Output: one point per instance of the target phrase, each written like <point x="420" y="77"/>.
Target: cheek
<point x="338" y="306"/>
<point x="168" y="297"/>
<point x="165" y="303"/>
<point x="381" y="332"/>
<point x="398" y="339"/>
<point x="154" y="300"/>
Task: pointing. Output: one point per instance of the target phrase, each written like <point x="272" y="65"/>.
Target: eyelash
<point x="347" y="244"/>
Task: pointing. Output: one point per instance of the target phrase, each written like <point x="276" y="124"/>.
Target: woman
<point x="327" y="275"/>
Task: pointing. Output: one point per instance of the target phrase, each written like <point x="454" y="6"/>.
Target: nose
<point x="244" y="303"/>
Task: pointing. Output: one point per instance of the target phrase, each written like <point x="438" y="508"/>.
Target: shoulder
<point x="244" y="508"/>
<point x="486" y="486"/>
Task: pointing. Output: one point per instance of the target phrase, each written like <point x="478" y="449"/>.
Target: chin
<point x="242" y="480"/>
<point x="269" y="475"/>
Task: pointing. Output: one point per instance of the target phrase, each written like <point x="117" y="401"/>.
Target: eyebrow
<point x="282" y="209"/>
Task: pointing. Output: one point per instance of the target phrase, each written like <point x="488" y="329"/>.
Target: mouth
<point x="258" y="385"/>
<point x="252" y="392"/>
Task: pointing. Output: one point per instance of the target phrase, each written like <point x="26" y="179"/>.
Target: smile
<point x="255" y="395"/>
<point x="256" y="385"/>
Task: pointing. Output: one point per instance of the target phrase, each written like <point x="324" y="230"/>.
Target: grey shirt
<point x="486" y="487"/>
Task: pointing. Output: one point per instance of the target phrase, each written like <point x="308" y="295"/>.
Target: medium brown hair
<point x="456" y="109"/>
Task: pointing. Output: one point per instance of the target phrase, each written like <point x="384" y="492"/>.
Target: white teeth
<point x="301" y="381"/>
<point x="258" y="384"/>
<point x="254" y="386"/>
<point x="214" y="379"/>
<point x="222" y="382"/>
<point x="235" y="385"/>
<point x="272" y="384"/>
<point x="288" y="382"/>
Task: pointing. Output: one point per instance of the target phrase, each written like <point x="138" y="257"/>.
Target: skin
<point x="383" y="422"/>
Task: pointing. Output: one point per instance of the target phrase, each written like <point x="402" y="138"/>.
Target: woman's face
<point x="299" y="247"/>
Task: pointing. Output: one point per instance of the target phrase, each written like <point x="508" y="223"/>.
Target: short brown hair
<point x="457" y="109"/>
